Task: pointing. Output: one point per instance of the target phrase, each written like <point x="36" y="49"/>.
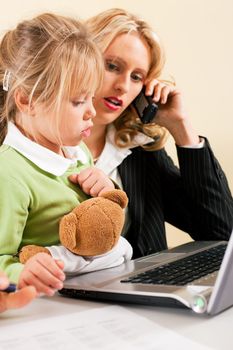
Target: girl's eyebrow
<point x="123" y="62"/>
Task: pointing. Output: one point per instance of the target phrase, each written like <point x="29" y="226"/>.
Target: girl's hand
<point x="17" y="299"/>
<point x="44" y="273"/>
<point x="93" y="181"/>
<point x="171" y="113"/>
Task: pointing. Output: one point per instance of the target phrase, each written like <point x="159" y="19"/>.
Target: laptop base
<point x="122" y="298"/>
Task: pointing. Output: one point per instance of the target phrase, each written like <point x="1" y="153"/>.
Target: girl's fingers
<point x="97" y="188"/>
<point x="49" y="264"/>
<point x="74" y="178"/>
<point x="100" y="186"/>
<point x="43" y="272"/>
<point x="32" y="280"/>
<point x="89" y="183"/>
<point x="60" y="264"/>
<point x="81" y="177"/>
<point x="92" y="181"/>
<point x="46" y="277"/>
<point x="104" y="189"/>
<point x="84" y="175"/>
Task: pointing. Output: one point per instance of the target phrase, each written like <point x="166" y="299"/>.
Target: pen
<point x="10" y="289"/>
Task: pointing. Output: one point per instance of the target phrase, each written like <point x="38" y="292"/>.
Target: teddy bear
<point x="92" y="228"/>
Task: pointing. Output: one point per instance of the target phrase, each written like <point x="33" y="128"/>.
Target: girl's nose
<point x="91" y="112"/>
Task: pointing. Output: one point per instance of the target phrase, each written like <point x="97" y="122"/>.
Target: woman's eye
<point x="111" y="66"/>
<point x="137" y="77"/>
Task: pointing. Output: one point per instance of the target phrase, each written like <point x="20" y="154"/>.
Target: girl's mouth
<point x="86" y="132"/>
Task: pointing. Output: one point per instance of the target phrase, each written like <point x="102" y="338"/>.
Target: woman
<point x="195" y="198"/>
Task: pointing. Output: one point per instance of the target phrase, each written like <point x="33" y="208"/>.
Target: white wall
<point x="198" y="38"/>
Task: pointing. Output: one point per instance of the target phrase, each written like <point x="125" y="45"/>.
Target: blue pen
<point x="10" y="289"/>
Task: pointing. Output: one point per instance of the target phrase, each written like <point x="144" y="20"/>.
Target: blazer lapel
<point x="132" y="171"/>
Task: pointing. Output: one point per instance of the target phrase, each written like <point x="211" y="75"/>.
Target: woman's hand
<point x="93" y="181"/>
<point x="44" y="273"/>
<point x="14" y="300"/>
<point x="171" y="113"/>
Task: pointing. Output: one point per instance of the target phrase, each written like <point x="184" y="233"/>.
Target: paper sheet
<point x="110" y="328"/>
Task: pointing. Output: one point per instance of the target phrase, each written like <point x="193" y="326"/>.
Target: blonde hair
<point x="49" y="58"/>
<point x="105" y="27"/>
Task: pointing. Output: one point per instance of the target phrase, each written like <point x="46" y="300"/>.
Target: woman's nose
<point x="122" y="84"/>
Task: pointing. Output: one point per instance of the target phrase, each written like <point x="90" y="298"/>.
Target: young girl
<point x="49" y="71"/>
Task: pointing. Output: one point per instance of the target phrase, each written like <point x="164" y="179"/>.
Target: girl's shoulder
<point x="6" y="153"/>
<point x="11" y="160"/>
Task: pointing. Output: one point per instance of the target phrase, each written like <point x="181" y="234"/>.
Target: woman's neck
<point x="96" y="141"/>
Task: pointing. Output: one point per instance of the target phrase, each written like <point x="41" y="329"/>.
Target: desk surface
<point x="214" y="332"/>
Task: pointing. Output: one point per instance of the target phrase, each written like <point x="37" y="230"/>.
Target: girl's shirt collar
<point x="45" y="159"/>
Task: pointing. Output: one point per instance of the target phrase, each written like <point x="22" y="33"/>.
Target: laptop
<point x="196" y="275"/>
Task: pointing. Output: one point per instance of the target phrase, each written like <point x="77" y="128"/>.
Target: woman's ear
<point x="22" y="103"/>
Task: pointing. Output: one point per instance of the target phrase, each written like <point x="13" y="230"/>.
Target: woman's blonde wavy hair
<point x="105" y="27"/>
<point x="49" y="58"/>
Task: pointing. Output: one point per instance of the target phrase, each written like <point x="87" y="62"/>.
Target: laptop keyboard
<point x="183" y="271"/>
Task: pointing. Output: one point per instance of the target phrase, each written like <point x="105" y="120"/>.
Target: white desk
<point x="214" y="332"/>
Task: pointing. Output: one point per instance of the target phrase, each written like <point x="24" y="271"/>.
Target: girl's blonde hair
<point x="49" y="58"/>
<point x="105" y="27"/>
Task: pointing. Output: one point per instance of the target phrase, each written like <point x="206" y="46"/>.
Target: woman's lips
<point x="112" y="103"/>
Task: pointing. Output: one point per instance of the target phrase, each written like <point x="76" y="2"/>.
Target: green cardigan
<point x="32" y="202"/>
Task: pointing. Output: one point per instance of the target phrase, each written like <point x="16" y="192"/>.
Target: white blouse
<point x="112" y="156"/>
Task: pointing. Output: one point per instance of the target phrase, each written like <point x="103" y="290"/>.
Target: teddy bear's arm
<point x="30" y="250"/>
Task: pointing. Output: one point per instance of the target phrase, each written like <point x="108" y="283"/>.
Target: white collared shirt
<point x="112" y="156"/>
<point x="44" y="158"/>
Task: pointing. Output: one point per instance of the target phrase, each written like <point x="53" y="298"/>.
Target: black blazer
<point x="195" y="198"/>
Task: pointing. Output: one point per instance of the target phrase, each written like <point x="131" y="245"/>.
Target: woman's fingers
<point x="158" y="90"/>
<point x="20" y="298"/>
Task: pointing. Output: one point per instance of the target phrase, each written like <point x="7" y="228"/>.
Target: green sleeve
<point x="14" y="204"/>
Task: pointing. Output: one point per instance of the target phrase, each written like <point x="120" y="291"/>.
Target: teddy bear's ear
<point x="67" y="230"/>
<point x="117" y="196"/>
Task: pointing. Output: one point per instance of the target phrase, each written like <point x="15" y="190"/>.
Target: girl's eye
<point x="137" y="77"/>
<point x="110" y="66"/>
<point x="77" y="103"/>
